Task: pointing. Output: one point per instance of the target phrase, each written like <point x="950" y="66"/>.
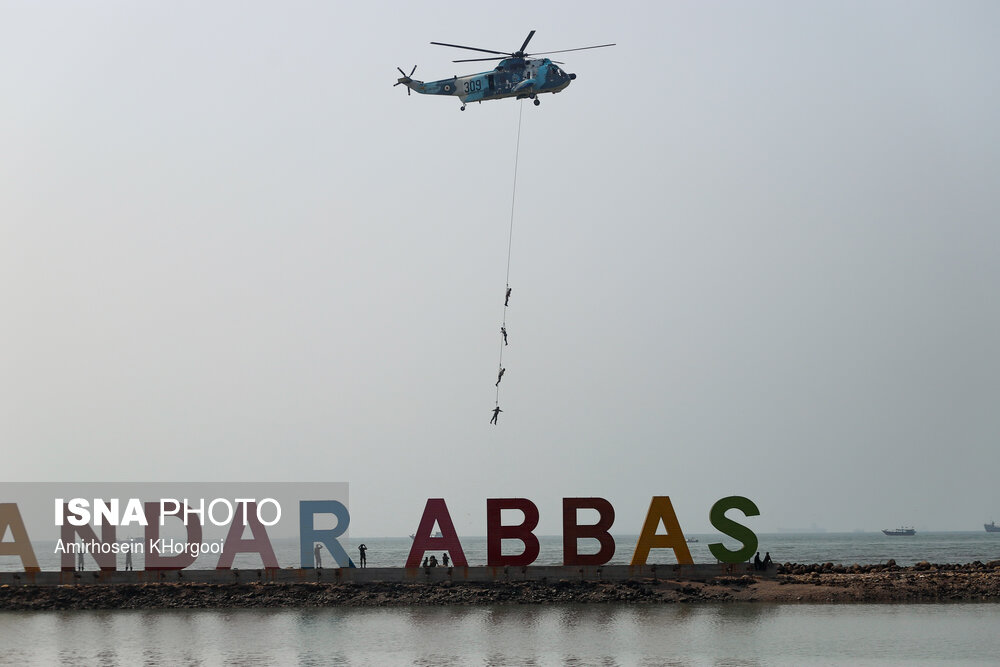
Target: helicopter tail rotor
<point x="406" y="79"/>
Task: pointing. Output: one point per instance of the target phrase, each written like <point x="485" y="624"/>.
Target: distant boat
<point x="991" y="527"/>
<point x="692" y="540"/>
<point x="900" y="532"/>
<point x="413" y="536"/>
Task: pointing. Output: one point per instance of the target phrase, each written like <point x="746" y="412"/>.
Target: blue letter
<point x="308" y="535"/>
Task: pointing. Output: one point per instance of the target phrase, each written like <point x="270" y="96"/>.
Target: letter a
<point x="10" y="517"/>
<point x="259" y="544"/>
<point x="436" y="510"/>
<point x="660" y="509"/>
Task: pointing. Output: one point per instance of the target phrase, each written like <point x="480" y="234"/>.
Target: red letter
<point x="496" y="533"/>
<point x="436" y="510"/>
<point x="572" y="531"/>
<point x="258" y="544"/>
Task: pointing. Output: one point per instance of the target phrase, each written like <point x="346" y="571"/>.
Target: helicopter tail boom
<point x="442" y="87"/>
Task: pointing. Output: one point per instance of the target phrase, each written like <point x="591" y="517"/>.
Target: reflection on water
<point x="727" y="634"/>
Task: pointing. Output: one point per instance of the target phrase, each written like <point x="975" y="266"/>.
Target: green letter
<point x="737" y="531"/>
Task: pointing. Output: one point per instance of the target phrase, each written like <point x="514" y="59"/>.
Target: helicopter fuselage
<point x="512" y="77"/>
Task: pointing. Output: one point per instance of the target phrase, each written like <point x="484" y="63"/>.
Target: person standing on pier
<point x="363" y="559"/>
<point x="316" y="556"/>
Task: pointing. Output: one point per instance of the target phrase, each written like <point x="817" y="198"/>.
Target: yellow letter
<point x="660" y="509"/>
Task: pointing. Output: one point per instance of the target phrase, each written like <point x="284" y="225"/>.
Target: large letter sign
<point x="735" y="530"/>
<point x="155" y="560"/>
<point x="573" y="532"/>
<point x="497" y="532"/>
<point x="259" y="544"/>
<point x="309" y="534"/>
<point x="68" y="533"/>
<point x="436" y="510"/>
<point x="10" y="517"/>
<point x="661" y="509"/>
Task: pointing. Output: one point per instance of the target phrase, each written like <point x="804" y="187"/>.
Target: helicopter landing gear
<point x="537" y="102"/>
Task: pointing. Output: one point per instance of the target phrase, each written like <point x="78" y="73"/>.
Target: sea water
<point x="599" y="634"/>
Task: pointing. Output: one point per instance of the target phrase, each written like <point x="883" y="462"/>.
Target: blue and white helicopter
<point x="517" y="75"/>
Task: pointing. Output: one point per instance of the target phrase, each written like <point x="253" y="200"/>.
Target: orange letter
<point x="660" y="509"/>
<point x="10" y="517"/>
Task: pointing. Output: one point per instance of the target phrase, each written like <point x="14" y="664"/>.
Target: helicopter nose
<point x="572" y="77"/>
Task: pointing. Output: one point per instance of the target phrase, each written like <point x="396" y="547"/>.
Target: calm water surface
<point x="730" y="634"/>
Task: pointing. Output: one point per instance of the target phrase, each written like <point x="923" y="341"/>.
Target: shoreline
<point x="792" y="583"/>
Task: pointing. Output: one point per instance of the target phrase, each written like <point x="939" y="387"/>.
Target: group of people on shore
<point x="432" y="561"/>
<point x="429" y="561"/>
<point x="318" y="556"/>
<point x="762" y="565"/>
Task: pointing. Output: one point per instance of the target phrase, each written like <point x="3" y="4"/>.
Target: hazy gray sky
<point x="755" y="251"/>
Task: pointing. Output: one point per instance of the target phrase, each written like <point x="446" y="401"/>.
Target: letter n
<point x="436" y="511"/>
<point x="10" y="517"/>
<point x="660" y="509"/>
<point x="573" y="532"/>
<point x="496" y="532"/>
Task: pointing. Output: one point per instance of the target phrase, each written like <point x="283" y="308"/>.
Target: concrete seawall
<point x="417" y="575"/>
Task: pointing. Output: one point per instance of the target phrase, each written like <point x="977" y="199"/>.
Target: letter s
<point x="726" y="526"/>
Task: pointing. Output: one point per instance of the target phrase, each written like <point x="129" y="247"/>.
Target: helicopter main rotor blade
<point x="526" y="40"/>
<point x="476" y="60"/>
<point x="472" y="48"/>
<point x="582" y="48"/>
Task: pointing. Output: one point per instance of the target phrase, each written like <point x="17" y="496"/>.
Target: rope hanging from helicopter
<point x="510" y="238"/>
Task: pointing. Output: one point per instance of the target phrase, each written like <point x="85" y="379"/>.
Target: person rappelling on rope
<point x="506" y="299"/>
<point x="496" y="413"/>
<point x="500" y="375"/>
<point x="503" y="330"/>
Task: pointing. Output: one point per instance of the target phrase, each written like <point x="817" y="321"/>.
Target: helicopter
<point x="517" y="75"/>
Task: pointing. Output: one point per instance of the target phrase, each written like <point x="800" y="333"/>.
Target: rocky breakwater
<point x="816" y="583"/>
<point x="888" y="582"/>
